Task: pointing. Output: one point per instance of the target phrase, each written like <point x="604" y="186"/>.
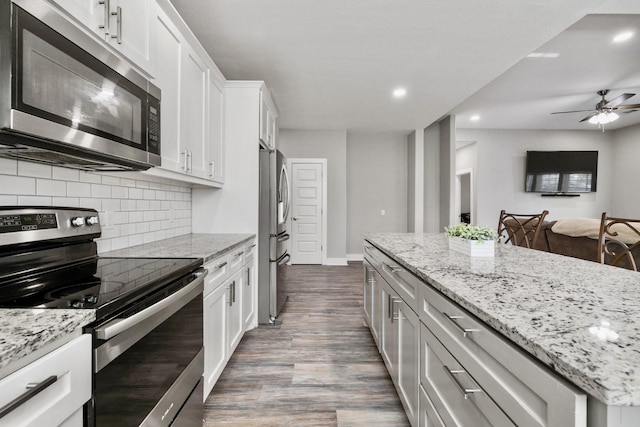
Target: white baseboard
<point x="335" y="261"/>
<point x="355" y="257"/>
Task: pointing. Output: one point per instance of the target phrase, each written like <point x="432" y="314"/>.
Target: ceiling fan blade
<point x="627" y="107"/>
<point x="619" y="100"/>
<point x="575" y="111"/>
<point x="589" y="116"/>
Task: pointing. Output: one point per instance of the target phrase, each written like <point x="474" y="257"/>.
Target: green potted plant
<point x="471" y="240"/>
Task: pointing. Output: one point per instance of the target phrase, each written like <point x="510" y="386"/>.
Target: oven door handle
<point x="117" y="326"/>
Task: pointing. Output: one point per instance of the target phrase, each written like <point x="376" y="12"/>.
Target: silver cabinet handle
<point x="465" y="391"/>
<point x="231" y="294"/>
<point x="253" y="246"/>
<point x="118" y="15"/>
<point x="183" y="156"/>
<point x="465" y="331"/>
<point x="211" y="168"/>
<point x="239" y="253"/>
<point x="394" y="301"/>
<point x="32" y="390"/>
<point x="393" y="270"/>
<point x="190" y="160"/>
<point x="107" y="14"/>
<point x="219" y="266"/>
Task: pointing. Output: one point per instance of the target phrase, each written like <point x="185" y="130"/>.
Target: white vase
<point x="479" y="248"/>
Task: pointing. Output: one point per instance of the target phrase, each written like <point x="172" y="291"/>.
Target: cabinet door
<point x="169" y="59"/>
<point x="248" y="295"/>
<point x="215" y="336"/>
<point x="377" y="311"/>
<point x="91" y="14"/>
<point x="234" y="318"/>
<point x="389" y="347"/>
<point x="367" y="293"/>
<point x="264" y="121"/>
<point x="193" y="101"/>
<point x="132" y="31"/>
<point x="216" y="130"/>
<point x="408" y="373"/>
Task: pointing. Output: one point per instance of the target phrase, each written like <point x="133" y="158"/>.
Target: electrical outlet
<point x="383" y="212"/>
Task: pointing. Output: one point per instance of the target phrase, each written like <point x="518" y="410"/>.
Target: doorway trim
<point x="472" y="192"/>
<point x="323" y="162"/>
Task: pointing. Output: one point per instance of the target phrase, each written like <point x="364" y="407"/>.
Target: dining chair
<point x="619" y="241"/>
<point x="520" y="229"/>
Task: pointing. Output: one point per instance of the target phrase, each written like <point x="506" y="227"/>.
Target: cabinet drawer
<point x="70" y="366"/>
<point x="400" y="279"/>
<point x="455" y="396"/>
<point x="236" y="259"/>
<point x="250" y="252"/>
<point x="529" y="393"/>
<point x="219" y="271"/>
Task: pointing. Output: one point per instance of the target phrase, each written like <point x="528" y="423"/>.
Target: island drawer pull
<point x="32" y="390"/>
<point x="465" y="391"/>
<point x="394" y="270"/>
<point x="465" y="331"/>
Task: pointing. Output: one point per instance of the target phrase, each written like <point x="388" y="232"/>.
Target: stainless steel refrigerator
<point x="273" y="236"/>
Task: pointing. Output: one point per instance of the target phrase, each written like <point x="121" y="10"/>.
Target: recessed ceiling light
<point x="543" y="55"/>
<point x="475" y="118"/>
<point x="399" y="92"/>
<point x="623" y="37"/>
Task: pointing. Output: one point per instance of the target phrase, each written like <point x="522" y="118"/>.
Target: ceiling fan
<point x="604" y="113"/>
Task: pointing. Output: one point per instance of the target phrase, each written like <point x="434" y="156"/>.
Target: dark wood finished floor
<point x="319" y="368"/>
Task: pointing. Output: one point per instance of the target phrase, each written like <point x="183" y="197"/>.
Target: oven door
<point x="63" y="92"/>
<point x="149" y="364"/>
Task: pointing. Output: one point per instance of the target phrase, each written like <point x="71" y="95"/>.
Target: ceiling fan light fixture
<point x="603" y="118"/>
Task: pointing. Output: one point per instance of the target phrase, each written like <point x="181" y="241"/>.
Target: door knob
<point x="294" y="218"/>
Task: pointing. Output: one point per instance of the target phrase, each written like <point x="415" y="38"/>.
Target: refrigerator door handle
<point x="283" y="259"/>
<point x="283" y="237"/>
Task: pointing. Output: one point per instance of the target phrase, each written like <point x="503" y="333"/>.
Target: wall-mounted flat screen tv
<point x="561" y="171"/>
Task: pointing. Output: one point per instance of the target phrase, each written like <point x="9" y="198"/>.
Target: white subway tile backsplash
<point x="34" y="169"/>
<point x="48" y="187"/>
<point x="65" y="174"/>
<point x="78" y="189"/>
<point x="132" y="211"/>
<point x="34" y="201"/>
<point x="18" y="185"/>
<point x="100" y="190"/>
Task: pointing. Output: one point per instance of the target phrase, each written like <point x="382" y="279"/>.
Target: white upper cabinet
<point x="192" y="105"/>
<point x="216" y="129"/>
<point x="126" y="25"/>
<point x="268" y="117"/>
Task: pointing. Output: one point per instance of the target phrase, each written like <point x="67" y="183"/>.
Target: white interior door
<point x="306" y="213"/>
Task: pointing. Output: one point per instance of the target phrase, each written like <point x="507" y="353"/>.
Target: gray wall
<point x="411" y="184"/>
<point x="447" y="171"/>
<point x="626" y="180"/>
<point x="500" y="171"/>
<point x="330" y="145"/>
<point x="431" y="210"/>
<point x="376" y="181"/>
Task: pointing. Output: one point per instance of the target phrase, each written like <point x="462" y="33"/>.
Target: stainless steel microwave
<point x="66" y="99"/>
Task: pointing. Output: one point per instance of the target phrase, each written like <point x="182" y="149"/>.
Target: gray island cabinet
<point x="525" y="338"/>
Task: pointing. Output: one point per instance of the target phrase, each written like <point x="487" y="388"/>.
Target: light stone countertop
<point x="26" y="331"/>
<point x="205" y="246"/>
<point x="580" y="318"/>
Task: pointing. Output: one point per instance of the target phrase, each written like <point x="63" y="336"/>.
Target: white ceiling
<point x="333" y="64"/>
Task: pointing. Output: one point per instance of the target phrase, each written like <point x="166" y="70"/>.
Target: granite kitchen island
<point x="579" y="319"/>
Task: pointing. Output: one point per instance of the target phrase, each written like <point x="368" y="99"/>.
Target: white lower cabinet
<point x="55" y="388"/>
<point x="229" y="302"/>
<point x="400" y="347"/>
<point x="450" y="368"/>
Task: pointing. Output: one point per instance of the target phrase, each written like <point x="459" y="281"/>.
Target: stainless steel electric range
<point x="147" y="337"/>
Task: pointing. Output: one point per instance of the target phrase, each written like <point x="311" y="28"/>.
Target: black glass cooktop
<point x="103" y="284"/>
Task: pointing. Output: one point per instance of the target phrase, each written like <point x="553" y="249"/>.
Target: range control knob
<point x="77" y="221"/>
<point x="91" y="220"/>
